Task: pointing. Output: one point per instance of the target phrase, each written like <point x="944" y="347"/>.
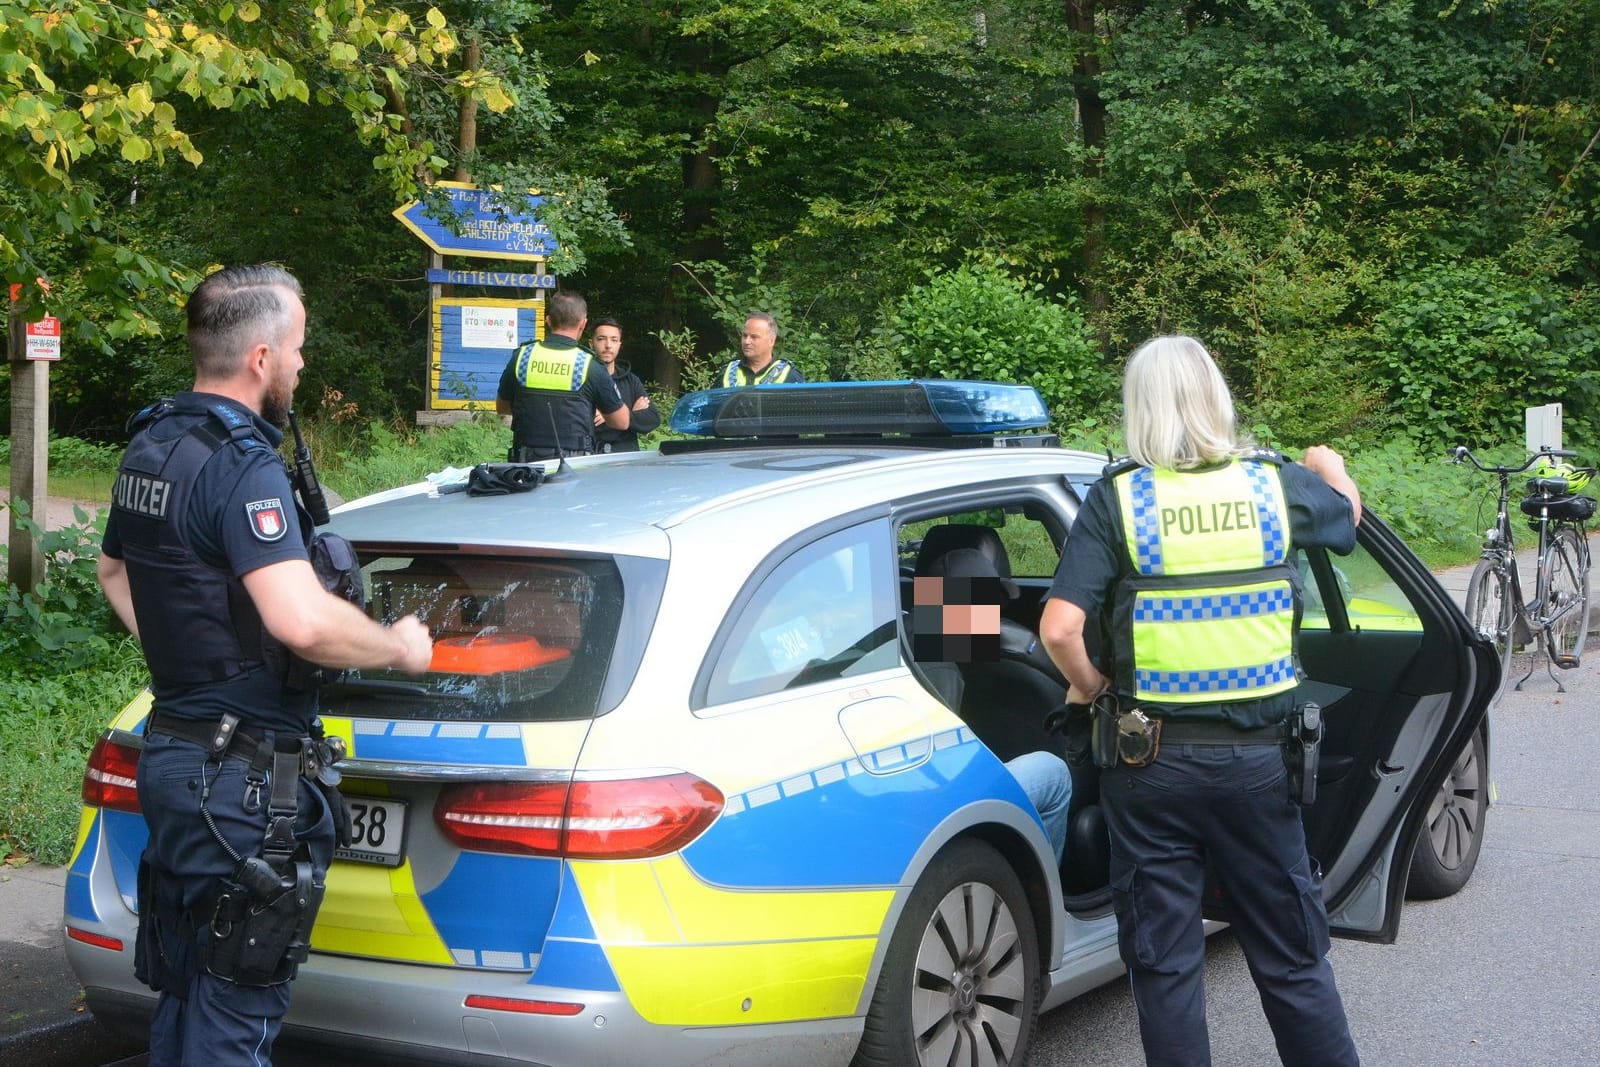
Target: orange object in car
<point x="492" y="654"/>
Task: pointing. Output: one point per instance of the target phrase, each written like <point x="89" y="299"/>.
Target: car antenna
<point x="562" y="469"/>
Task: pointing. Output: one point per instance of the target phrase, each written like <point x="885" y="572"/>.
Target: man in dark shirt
<point x="551" y="388"/>
<point x="205" y="561"/>
<point x="607" y="340"/>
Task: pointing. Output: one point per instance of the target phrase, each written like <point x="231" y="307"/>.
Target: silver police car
<point x="678" y="789"/>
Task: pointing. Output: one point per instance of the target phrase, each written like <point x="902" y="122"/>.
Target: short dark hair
<point x="606" y="321"/>
<point x="565" y="310"/>
<point x="235" y="309"/>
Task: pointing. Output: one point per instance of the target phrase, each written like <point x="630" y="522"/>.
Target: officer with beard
<point x="205" y="561"/>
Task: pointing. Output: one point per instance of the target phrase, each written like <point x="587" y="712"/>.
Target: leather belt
<point x="1216" y="733"/>
<point x="244" y="743"/>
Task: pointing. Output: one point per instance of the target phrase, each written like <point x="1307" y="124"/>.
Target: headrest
<point x="971" y="564"/>
<point x="983" y="539"/>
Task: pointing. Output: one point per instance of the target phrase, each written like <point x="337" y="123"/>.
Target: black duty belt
<point x="1217" y="733"/>
<point x="240" y="742"/>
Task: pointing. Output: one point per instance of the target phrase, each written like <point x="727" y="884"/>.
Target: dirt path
<point x="58" y="511"/>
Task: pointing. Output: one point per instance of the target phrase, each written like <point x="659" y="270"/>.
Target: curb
<point x="67" y="1043"/>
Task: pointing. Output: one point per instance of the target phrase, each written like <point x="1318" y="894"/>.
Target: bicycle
<point x="1559" y="611"/>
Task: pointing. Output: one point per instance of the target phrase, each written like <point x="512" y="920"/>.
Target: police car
<point x="677" y="789"/>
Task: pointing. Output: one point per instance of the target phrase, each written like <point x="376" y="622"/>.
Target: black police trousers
<point x="1226" y="806"/>
<point x="205" y="1020"/>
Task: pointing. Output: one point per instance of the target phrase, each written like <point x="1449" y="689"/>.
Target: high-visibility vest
<point x="776" y="373"/>
<point x="1208" y="614"/>
<point x="559" y="370"/>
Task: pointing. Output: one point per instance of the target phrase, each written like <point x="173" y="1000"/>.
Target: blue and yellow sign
<point x="472" y="341"/>
<point x="491" y="224"/>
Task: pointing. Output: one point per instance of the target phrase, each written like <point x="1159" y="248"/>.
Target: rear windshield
<point x="515" y="638"/>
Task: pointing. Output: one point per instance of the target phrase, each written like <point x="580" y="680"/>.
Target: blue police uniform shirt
<point x="1095" y="558"/>
<point x="224" y="535"/>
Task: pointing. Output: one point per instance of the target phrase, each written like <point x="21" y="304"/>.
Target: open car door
<point x="1403" y="681"/>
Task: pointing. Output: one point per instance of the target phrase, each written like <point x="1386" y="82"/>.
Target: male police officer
<point x="552" y="388"/>
<point x="607" y="340"/>
<point x="205" y="561"/>
<point x="756" y="366"/>
<point x="1185" y="552"/>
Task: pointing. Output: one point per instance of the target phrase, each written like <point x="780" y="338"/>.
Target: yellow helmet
<point x="1577" y="477"/>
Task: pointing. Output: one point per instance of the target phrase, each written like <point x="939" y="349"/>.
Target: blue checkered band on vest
<point x="580" y="367"/>
<point x="1146" y="532"/>
<point x="1236" y="679"/>
<point x="1150" y="608"/>
<point x="1274" y="538"/>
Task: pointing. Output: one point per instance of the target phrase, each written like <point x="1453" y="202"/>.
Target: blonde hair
<point x="1176" y="409"/>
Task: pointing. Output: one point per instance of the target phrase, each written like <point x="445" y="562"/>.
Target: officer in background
<point x="552" y="388"/>
<point x="1199" y="778"/>
<point x="756" y="366"/>
<point x="205" y="561"/>
<point x="607" y="340"/>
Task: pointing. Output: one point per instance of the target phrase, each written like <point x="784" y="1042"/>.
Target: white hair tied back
<point x="1177" y="412"/>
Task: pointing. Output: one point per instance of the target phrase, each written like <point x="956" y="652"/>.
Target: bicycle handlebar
<point x="1462" y="452"/>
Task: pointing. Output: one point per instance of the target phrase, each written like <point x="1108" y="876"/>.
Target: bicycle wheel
<point x="1566" y="582"/>
<point x="1490" y="611"/>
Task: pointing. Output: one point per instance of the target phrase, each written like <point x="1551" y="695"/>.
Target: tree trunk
<point x="1092" y="121"/>
<point x="467" y="117"/>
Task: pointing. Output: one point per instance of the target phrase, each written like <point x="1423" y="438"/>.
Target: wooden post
<point x="30" y="450"/>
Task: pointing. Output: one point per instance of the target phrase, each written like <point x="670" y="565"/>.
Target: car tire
<point x="1452" y="833"/>
<point x="960" y="982"/>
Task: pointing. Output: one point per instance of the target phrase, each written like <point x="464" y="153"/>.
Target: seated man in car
<point x="956" y="629"/>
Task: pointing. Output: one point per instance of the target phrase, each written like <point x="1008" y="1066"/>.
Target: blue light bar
<point x="927" y="408"/>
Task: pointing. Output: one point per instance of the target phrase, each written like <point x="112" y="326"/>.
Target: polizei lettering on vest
<point x="1217" y="516"/>
<point x="546" y="366"/>
<point x="144" y="496"/>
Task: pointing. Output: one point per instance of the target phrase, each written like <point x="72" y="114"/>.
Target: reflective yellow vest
<point x="560" y="370"/>
<point x="776" y="373"/>
<point x="1209" y="612"/>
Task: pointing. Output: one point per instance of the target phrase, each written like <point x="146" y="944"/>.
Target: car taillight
<point x="108" y="781"/>
<point x="630" y="818"/>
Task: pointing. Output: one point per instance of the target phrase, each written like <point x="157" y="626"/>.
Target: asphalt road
<point x="1505" y="973"/>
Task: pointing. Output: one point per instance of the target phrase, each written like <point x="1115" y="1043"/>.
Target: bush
<point x="378" y="457"/>
<point x="61" y="625"/>
<point x="1464" y="347"/>
<point x="979" y="322"/>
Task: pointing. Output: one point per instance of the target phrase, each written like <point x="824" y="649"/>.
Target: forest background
<point x="1382" y="216"/>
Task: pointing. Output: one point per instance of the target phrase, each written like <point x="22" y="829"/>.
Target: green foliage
<point x="1433" y="504"/>
<point x="387" y="457"/>
<point x="1463" y="347"/>
<point x="979" y="322"/>
<point x="62" y="624"/>
<point x="49" y="721"/>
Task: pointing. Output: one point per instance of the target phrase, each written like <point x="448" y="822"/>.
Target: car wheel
<point x="1452" y="834"/>
<point x="960" y="982"/>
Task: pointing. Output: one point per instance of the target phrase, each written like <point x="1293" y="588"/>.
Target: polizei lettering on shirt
<point x="141" y="495"/>
<point x="549" y="366"/>
<point x="1214" y="517"/>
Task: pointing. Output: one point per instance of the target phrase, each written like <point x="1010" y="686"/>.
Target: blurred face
<point x="756" y="343"/>
<point x="607" y="342"/>
<point x="284" y="363"/>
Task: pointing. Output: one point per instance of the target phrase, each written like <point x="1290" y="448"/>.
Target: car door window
<point x="827" y="611"/>
<point x="1357" y="587"/>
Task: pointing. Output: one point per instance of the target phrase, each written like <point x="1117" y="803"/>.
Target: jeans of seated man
<point x="1048" y="783"/>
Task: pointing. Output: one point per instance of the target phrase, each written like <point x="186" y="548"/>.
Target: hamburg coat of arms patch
<point x="266" y="519"/>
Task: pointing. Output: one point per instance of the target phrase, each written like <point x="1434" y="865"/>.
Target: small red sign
<point x="44" y="339"/>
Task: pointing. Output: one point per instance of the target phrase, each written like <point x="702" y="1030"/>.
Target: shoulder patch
<point x="267" y="521"/>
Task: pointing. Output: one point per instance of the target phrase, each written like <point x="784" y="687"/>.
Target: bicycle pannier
<point x="1567" y="508"/>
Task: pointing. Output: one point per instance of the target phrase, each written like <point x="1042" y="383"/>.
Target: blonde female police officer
<point x="1195" y="509"/>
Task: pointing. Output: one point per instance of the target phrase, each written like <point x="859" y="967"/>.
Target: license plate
<point x="378" y="831"/>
